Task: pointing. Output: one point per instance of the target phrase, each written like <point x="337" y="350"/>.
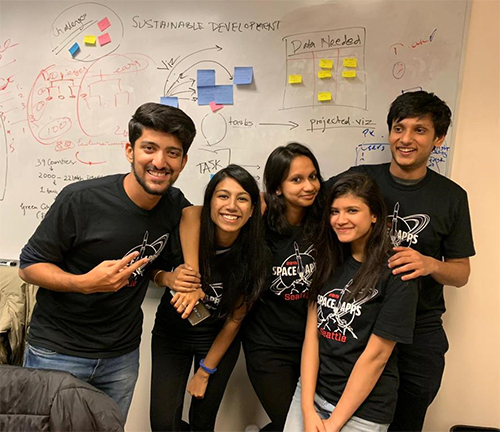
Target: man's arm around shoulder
<point x="451" y="271"/>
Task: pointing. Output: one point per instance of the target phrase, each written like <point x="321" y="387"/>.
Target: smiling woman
<point x="232" y="256"/>
<point x="274" y="330"/>
<point x="358" y="311"/>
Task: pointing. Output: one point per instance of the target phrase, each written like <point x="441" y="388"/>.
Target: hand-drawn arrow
<point x="250" y="166"/>
<point x="292" y="125"/>
<point x="220" y="150"/>
<point x="192" y="91"/>
<point x="183" y="75"/>
<point x="87" y="162"/>
<point x="216" y="47"/>
<point x="190" y="83"/>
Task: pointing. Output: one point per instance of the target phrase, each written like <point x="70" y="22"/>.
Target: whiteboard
<point x="64" y="118"/>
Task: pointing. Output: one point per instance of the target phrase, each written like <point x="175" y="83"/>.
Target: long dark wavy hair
<point x="243" y="267"/>
<point x="332" y="254"/>
<point x="275" y="172"/>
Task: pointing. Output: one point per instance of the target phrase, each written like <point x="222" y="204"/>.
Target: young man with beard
<point x="432" y="240"/>
<point x="93" y="253"/>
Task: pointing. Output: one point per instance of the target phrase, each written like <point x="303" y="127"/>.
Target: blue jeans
<point x="294" y="422"/>
<point x="115" y="376"/>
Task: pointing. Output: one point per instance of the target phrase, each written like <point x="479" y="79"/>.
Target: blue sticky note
<point x="243" y="75"/>
<point x="74" y="49"/>
<point x="224" y="94"/>
<point x="170" y="101"/>
<point x="205" y="77"/>
<point x="206" y="95"/>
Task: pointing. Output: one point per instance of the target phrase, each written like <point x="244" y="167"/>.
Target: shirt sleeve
<point x="55" y="235"/>
<point x="459" y="243"/>
<point x="396" y="319"/>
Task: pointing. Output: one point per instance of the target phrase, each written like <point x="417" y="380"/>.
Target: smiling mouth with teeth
<point x="158" y="173"/>
<point x="406" y="150"/>
<point x="230" y="217"/>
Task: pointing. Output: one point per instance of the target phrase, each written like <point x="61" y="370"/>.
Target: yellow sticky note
<point x="349" y="74"/>
<point x="326" y="64"/>
<point x="350" y="62"/>
<point x="324" y="96"/>
<point x="294" y="79"/>
<point x="325" y="74"/>
<point x="89" y="40"/>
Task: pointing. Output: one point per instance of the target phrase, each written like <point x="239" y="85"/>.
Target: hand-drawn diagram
<point x="303" y="53"/>
<point x="76" y="22"/>
<point x="181" y="82"/>
<point x="84" y="94"/>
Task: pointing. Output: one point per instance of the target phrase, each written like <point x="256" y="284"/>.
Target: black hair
<point x="162" y="118"/>
<point x="275" y="172"/>
<point x="419" y="104"/>
<point x="332" y="254"/>
<point x="243" y="269"/>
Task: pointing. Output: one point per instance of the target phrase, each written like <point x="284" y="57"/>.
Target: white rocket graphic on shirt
<point x="335" y="315"/>
<point x="294" y="275"/>
<point x="404" y="230"/>
<point x="152" y="251"/>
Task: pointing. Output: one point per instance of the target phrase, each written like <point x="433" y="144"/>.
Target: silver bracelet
<point x="156" y="275"/>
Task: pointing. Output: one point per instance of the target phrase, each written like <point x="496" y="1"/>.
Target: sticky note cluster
<point x="349" y="62"/>
<point x="209" y="92"/>
<point x="326" y="66"/>
<point x="91" y="40"/>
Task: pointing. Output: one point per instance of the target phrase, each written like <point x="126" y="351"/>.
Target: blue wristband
<point x="207" y="369"/>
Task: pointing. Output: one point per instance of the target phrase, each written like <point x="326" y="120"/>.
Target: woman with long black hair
<point x="274" y="329"/>
<point x="232" y="268"/>
<point x="358" y="311"/>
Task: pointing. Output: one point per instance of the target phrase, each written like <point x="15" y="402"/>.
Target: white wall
<point x="470" y="393"/>
<point x="471" y="388"/>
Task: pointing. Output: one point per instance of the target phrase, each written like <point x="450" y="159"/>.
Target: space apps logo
<point x="294" y="275"/>
<point x="150" y="250"/>
<point x="213" y="296"/>
<point x="336" y="316"/>
<point x="404" y="231"/>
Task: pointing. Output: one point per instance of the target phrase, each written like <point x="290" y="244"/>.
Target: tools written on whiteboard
<point x="8" y="263"/>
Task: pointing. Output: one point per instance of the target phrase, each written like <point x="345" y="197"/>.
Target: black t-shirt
<point x="90" y="222"/>
<point x="278" y="319"/>
<point x="431" y="217"/>
<point x="169" y="324"/>
<point x="344" y="329"/>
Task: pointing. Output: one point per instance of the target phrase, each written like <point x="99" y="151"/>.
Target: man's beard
<point x="147" y="189"/>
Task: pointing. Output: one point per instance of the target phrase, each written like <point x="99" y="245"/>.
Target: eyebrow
<point x="228" y="192"/>
<point x="156" y="145"/>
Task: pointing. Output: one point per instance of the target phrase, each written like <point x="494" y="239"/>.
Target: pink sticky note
<point x="103" y="24"/>
<point x="215" y="107"/>
<point x="104" y="39"/>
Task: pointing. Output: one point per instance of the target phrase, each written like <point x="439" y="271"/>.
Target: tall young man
<point x="432" y="238"/>
<point x="93" y="253"/>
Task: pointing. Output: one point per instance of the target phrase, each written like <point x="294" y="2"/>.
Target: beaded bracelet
<point x="156" y="275"/>
<point x="206" y="368"/>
